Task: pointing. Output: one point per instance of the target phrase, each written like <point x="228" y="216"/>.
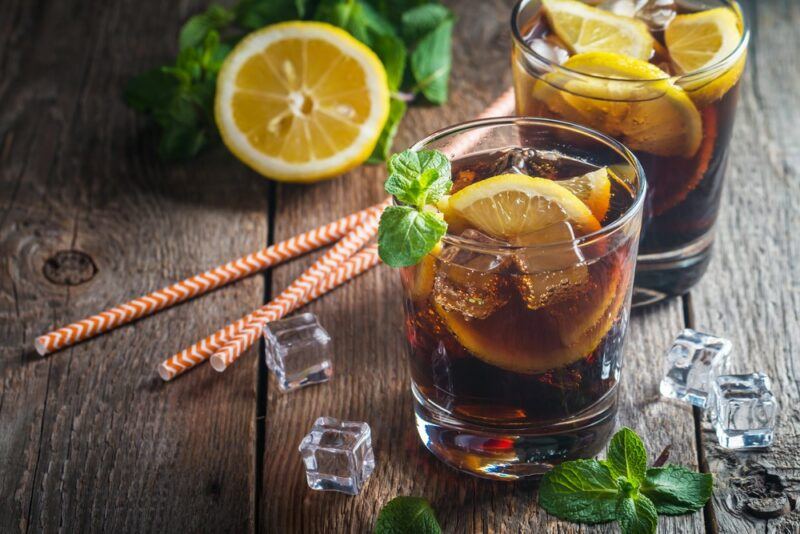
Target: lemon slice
<point x="512" y="205"/>
<point x="418" y="279"/>
<point x="566" y="332"/>
<point x="586" y="29"/>
<point x="594" y="189"/>
<point x="301" y="101"/>
<point x="703" y="39"/>
<point x="654" y="116"/>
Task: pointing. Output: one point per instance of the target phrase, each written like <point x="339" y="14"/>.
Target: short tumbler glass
<point x="516" y="350"/>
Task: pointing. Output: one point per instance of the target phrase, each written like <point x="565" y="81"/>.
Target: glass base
<point x="669" y="274"/>
<point x="513" y="453"/>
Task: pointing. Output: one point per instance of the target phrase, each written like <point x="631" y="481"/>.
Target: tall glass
<point x="679" y="127"/>
<point x="516" y="351"/>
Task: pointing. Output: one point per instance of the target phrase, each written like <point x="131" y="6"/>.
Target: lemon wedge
<point x="654" y="116"/>
<point x="703" y="39"/>
<point x="301" y="101"/>
<point x="593" y="188"/>
<point x="586" y="29"/>
<point x="512" y="205"/>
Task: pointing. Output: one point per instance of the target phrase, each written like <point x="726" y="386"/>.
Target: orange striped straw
<point x="201" y="283"/>
<point x="201" y="351"/>
<point x="247" y="337"/>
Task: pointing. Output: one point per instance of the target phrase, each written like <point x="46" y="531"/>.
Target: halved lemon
<point x="593" y="188"/>
<point x="627" y="98"/>
<point x="301" y="101"/>
<point x="587" y="29"/>
<point x="512" y="205"/>
<point x="699" y="40"/>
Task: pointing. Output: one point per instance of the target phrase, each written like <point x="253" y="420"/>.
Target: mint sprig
<point x="621" y="488"/>
<point x="407" y="515"/>
<point x="406" y="233"/>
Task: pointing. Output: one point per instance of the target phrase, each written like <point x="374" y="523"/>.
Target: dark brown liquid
<point x="535" y="357"/>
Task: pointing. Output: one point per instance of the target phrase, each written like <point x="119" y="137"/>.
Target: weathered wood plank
<point x="751" y="293"/>
<point x="371" y="381"/>
<point x="90" y="439"/>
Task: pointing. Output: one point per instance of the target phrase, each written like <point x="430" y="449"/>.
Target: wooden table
<point x="91" y="439"/>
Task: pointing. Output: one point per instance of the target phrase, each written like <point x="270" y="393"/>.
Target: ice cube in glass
<point x="298" y="351"/>
<point x="338" y="455"/>
<point x="742" y="410"/>
<point x="692" y="362"/>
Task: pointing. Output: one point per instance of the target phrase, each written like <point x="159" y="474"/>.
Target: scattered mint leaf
<point x="676" y="490"/>
<point x="195" y="30"/>
<point x="397" y="108"/>
<point x="582" y="491"/>
<point x="422" y="20"/>
<point x="406" y="235"/>
<point x="148" y="91"/>
<point x="591" y="491"/>
<point x="431" y="61"/>
<point x="407" y="515"/>
<point x="346" y="14"/>
<point x="627" y="456"/>
<point x="637" y="515"/>
<point x="418" y="177"/>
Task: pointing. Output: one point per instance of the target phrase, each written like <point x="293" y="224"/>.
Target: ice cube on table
<point x="691" y="364"/>
<point x="338" y="455"/>
<point x="298" y="351"/>
<point x="742" y="410"/>
<point x="551" y="265"/>
<point x="469" y="279"/>
<point x="657" y="14"/>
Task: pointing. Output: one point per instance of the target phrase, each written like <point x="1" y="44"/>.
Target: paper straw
<point x="201" y="351"/>
<point x="288" y="300"/>
<point x="200" y="284"/>
<point x="246" y="338"/>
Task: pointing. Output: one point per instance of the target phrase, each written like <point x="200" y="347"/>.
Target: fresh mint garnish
<point x="621" y="488"/>
<point x="407" y="515"/>
<point x="412" y="38"/>
<point x="676" y="490"/>
<point x="408" y="232"/>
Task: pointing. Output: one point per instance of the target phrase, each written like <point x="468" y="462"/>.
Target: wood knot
<point x="69" y="268"/>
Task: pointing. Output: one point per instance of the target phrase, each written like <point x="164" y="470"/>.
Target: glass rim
<point x="723" y="64"/>
<point x="631" y="212"/>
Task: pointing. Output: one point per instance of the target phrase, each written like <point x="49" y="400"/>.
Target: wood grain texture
<point x="371" y="381"/>
<point x="751" y="293"/>
<point x="90" y="439"/>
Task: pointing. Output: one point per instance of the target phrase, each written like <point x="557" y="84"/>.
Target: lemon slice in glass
<point x="627" y="98"/>
<point x="586" y="29"/>
<point x="700" y="40"/>
<point x="301" y="101"/>
<point x="512" y="205"/>
<point x="594" y="189"/>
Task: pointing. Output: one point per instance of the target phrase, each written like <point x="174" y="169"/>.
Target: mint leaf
<point x="676" y="490"/>
<point x="407" y="515"/>
<point x="149" y="90"/>
<point x="421" y="20"/>
<point x="431" y="61"/>
<point x="255" y="14"/>
<point x="406" y="235"/>
<point x="397" y="108"/>
<point x="637" y="515"/>
<point x="627" y="456"/>
<point x="582" y="491"/>
<point x="195" y="30"/>
<point x="392" y="53"/>
<point x="418" y="177"/>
